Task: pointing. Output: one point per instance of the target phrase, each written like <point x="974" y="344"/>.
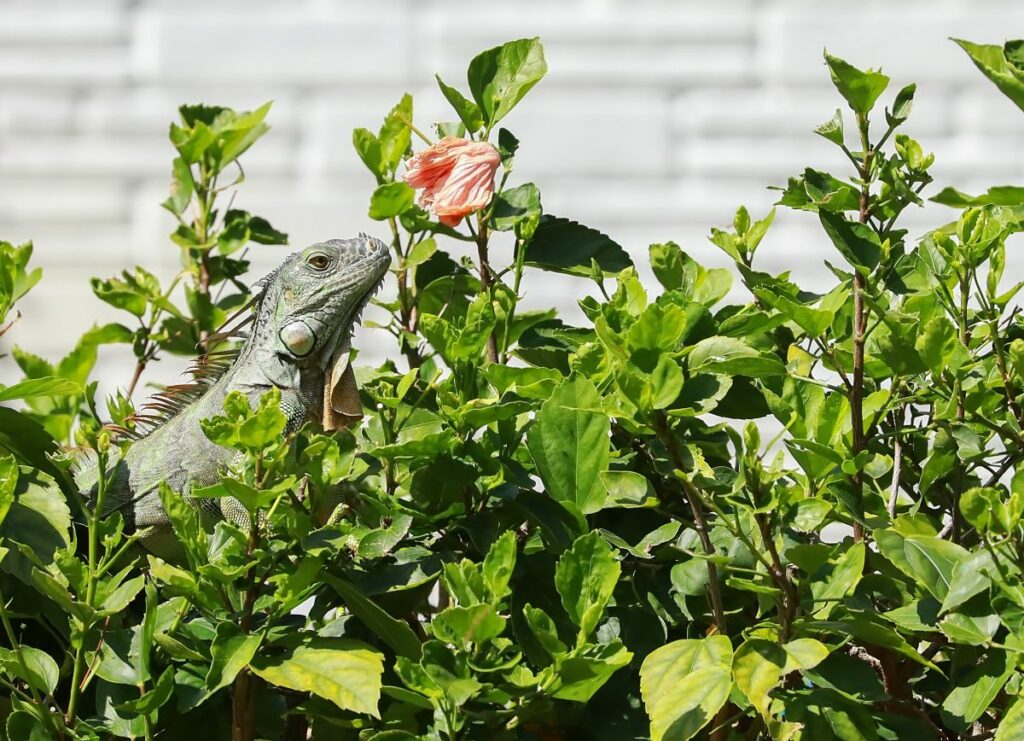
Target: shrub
<point x="550" y="531"/>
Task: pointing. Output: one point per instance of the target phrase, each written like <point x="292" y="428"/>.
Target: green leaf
<point x="832" y="129"/>
<point x="38" y="518"/>
<point x="420" y="252"/>
<point x="667" y="262"/>
<point x="939" y="346"/>
<point x="758" y="668"/>
<point x="994" y="63"/>
<point x="857" y="242"/>
<point x="345" y="672"/>
<point x="974" y="631"/>
<point x="519" y="209"/>
<point x="395" y="136"/>
<point x="251" y="499"/>
<point x="999" y="195"/>
<point x="367" y="146"/>
<point x="569" y="444"/>
<point x="240" y="134"/>
<point x="123" y="293"/>
<point x="177" y="581"/>
<point x="184" y="520"/>
<point x="836" y="580"/>
<point x="26" y="723"/>
<point x="732" y="357"/>
<point x="463" y="626"/>
<point x="473" y="335"/>
<point x="684" y="684"/>
<point x="918" y="615"/>
<point x="39" y="671"/>
<point x="969" y="577"/>
<point x="499" y="564"/>
<point x="901" y="106"/>
<point x="627" y="489"/>
<point x="467" y="111"/>
<point x="658" y="328"/>
<point x="394" y="632"/>
<point x="500" y="77"/>
<point x="976" y="690"/>
<point x="803" y="654"/>
<point x="932" y="561"/>
<point x="813" y="321"/>
<point x="544" y="630"/>
<point x="860" y="89"/>
<point x="391" y="199"/>
<point x="155" y="698"/>
<point x="583" y="672"/>
<point x="865" y="628"/>
<point x="261" y="232"/>
<point x="1011" y="727"/>
<point x="564" y="246"/>
<point x="120" y="661"/>
<point x="585" y="576"/>
<point x="8" y="484"/>
<point x="193" y="141"/>
<point x="182" y="187"/>
<point x="231" y="651"/>
<point x="121" y="597"/>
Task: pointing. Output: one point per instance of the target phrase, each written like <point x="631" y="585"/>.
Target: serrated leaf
<point x="565" y="246"/>
<point x="569" y="444"/>
<point x="860" y="88"/>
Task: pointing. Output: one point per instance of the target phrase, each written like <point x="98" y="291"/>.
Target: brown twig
<point x="693" y="498"/>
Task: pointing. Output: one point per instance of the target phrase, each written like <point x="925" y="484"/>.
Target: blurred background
<point x="655" y="121"/>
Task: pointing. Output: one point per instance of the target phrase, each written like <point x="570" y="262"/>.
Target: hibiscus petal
<point x="470" y="185"/>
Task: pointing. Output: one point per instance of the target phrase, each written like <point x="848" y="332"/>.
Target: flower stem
<point x="92" y="578"/>
<point x="856" y="392"/>
<point x="485" y="280"/>
<point x="516" y="281"/>
<point x="694" y="499"/>
<point x="413" y="129"/>
<point x="406" y="301"/>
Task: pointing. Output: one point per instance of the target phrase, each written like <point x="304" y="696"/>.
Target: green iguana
<point x="300" y="341"/>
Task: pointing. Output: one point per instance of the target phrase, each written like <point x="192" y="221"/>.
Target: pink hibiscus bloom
<point x="456" y="176"/>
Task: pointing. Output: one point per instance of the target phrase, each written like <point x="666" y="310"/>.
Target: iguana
<point x="303" y="316"/>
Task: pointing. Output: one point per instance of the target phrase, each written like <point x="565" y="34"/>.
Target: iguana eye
<point x="318" y="261"/>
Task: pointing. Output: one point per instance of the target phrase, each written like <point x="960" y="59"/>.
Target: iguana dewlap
<point x="303" y="317"/>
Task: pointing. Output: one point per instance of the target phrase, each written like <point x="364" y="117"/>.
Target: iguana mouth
<point x="341" y="404"/>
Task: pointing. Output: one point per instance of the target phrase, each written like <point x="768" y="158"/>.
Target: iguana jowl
<point x="303" y="317"/>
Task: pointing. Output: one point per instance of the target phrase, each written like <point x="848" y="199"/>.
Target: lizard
<point x="304" y="313"/>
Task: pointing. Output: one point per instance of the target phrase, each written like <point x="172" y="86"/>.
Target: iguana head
<point x="305" y="315"/>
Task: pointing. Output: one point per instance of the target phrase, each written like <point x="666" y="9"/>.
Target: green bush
<point x="548" y="531"/>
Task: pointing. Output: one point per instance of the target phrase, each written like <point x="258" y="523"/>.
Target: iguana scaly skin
<point x="299" y="342"/>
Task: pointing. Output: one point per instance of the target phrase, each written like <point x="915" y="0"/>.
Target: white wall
<point x="655" y="121"/>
